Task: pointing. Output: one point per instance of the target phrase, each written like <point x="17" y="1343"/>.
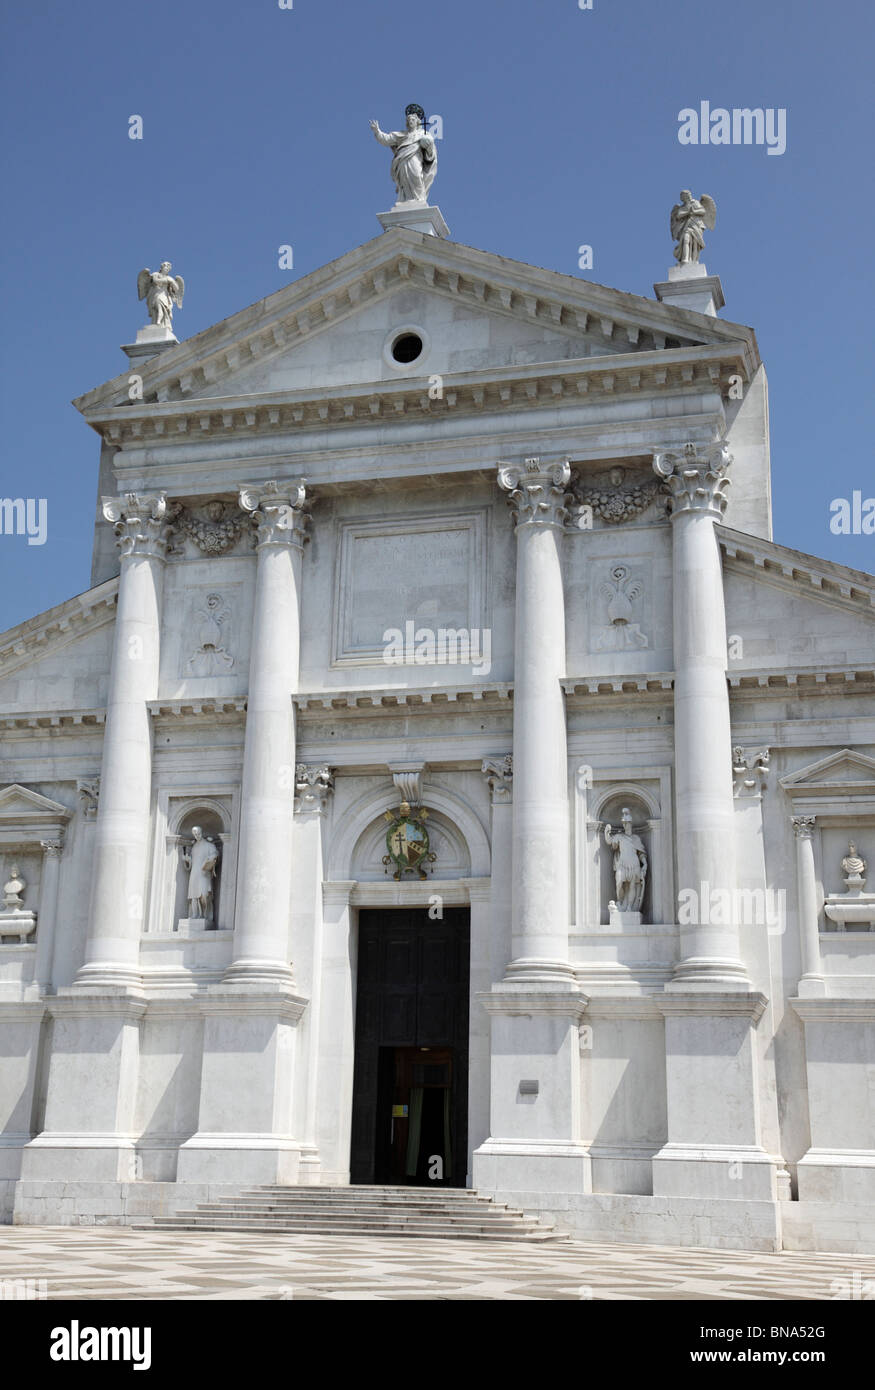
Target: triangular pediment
<point x="480" y="312"/>
<point x="847" y="769"/>
<point x="25" y="807"/>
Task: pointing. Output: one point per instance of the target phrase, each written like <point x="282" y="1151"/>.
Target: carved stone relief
<point x="620" y="592"/>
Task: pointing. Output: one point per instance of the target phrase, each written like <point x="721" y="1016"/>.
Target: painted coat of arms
<point x="407" y="841"/>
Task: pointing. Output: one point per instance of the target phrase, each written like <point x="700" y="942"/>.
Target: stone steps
<point x="448" y="1213"/>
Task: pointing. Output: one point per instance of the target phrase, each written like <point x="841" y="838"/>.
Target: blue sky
<point x="560" y="128"/>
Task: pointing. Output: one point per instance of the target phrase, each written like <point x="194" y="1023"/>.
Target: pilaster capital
<point x="140" y="523"/>
<point x="695" y="478"/>
<point x="803" y="826"/>
<point x="750" y="770"/>
<point x="538" y="492"/>
<point x="313" y="787"/>
<point x="52" y="849"/>
<point x="277" y="511"/>
<point x="499" y="778"/>
<point x="89" y="793"/>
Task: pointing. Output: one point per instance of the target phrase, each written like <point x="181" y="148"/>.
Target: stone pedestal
<point x="245" y="1123"/>
<point x="417" y="217"/>
<point x="151" y="340"/>
<point x="619" y="919"/>
<point x="714" y="1147"/>
<point x="17" y="924"/>
<point x="534" y="1125"/>
<point x="839" y="1167"/>
<point x="92" y="1088"/>
<point x="691" y="287"/>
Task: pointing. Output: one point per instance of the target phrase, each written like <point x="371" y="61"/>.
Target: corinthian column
<point x="540" y="792"/>
<point x="536" y="1008"/>
<point x="808" y="908"/>
<point x="122" y="829"/>
<point x="705" y="835"/>
<point x="261" y="926"/>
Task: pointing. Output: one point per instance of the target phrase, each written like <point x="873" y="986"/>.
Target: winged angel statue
<point x="161" y="291"/>
<point x="689" y="218"/>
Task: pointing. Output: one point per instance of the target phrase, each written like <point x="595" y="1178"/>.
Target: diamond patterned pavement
<point x="113" y="1262"/>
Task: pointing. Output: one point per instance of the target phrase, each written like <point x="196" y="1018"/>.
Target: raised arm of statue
<point x="381" y="135"/>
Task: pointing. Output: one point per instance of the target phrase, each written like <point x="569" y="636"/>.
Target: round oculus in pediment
<point x="407" y="347"/>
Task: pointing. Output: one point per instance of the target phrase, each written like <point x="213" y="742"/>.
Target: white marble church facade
<point x="551" y="472"/>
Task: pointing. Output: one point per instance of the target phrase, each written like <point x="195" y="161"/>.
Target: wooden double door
<point x="410" y="1090"/>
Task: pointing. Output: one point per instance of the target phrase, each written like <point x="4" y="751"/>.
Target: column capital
<point x="278" y="512"/>
<point x="803" y="826"/>
<point x="537" y="491"/>
<point x="750" y="770"/>
<point x="313" y="787"/>
<point x="89" y="794"/>
<point x="140" y="523"/>
<point x="695" y="478"/>
<point x="499" y="778"/>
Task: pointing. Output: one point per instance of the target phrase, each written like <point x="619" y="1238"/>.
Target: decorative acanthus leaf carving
<point x="278" y="512"/>
<point x="538" y="491"/>
<point x="140" y="523"/>
<point x="696" y="478"/>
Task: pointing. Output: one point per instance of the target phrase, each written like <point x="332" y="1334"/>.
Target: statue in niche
<point x="201" y="859"/>
<point x="853" y="868"/>
<point x="630" y="865"/>
<point x="210" y="657"/>
<point x="13" y="891"/>
<point x="689" y="218"/>
<point x="414" y="156"/>
<point x="161" y="291"/>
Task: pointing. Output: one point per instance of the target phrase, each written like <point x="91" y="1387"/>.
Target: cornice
<point x="403" y="258"/>
<point x="850" y="589"/>
<point x="390" y="700"/>
<point x="804" y="680"/>
<point x="57" y="626"/>
<point x="86" y="720"/>
<point x="491" y="388"/>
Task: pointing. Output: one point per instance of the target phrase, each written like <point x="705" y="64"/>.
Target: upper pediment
<point x="847" y="770"/>
<point x="23" y="807"/>
<point x="488" y="322"/>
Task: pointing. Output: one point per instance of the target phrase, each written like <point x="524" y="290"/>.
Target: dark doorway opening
<point x="410" y="1097"/>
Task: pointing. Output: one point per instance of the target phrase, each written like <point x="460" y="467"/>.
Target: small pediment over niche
<point x="26" y="815"/>
<point x="846" y="770"/>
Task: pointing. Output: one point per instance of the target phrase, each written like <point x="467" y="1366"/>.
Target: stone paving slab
<point x="113" y="1262"/>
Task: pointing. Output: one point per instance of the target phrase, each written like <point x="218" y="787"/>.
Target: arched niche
<point x="464" y="842"/>
<point x="608" y="811"/>
<point x="452" y="859"/>
<point x="212" y="817"/>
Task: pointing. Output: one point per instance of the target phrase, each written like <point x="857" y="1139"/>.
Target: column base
<point x="108" y="976"/>
<point x="539" y="970"/>
<point x="249" y="972"/>
<point x="709" y="972"/>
